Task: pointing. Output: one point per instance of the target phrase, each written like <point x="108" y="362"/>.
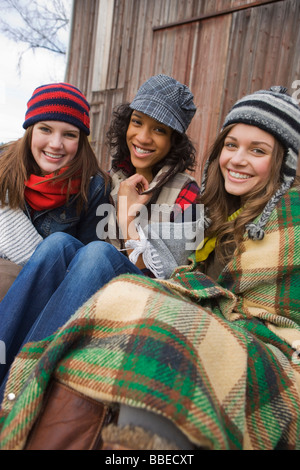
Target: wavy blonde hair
<point x="17" y="164"/>
<point x="219" y="204"/>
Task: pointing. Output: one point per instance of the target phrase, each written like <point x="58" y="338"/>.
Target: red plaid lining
<point x="188" y="195"/>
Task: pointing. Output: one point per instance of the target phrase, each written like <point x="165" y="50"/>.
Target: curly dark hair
<point x="181" y="157"/>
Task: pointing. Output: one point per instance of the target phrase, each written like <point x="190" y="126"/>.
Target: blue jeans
<point x="60" y="276"/>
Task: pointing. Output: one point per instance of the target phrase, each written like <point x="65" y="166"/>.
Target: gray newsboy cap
<point x="168" y="101"/>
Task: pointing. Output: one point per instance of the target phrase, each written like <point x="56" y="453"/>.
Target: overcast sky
<point x="37" y="69"/>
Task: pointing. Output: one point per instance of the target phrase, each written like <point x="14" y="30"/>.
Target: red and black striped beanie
<point x="58" y="102"/>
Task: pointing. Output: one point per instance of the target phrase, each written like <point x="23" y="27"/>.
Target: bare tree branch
<point x="36" y="23"/>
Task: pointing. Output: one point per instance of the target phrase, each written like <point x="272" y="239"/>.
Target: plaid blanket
<point x="217" y="359"/>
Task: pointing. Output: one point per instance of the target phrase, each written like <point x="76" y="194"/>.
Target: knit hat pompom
<point x="58" y="102"/>
<point x="168" y="101"/>
<point x="277" y="113"/>
<point x="255" y="232"/>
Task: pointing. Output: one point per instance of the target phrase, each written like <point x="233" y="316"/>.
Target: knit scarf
<point x="207" y="246"/>
<point x="49" y="194"/>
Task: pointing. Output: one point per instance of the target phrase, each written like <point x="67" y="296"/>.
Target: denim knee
<point x="56" y="241"/>
<point x="58" y="245"/>
<point x="98" y="252"/>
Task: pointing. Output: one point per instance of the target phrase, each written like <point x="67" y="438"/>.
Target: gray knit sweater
<point x="18" y="237"/>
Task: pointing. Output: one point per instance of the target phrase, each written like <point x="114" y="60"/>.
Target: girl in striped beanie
<point x="50" y="180"/>
<point x="229" y="185"/>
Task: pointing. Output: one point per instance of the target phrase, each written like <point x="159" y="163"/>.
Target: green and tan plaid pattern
<point x="216" y="359"/>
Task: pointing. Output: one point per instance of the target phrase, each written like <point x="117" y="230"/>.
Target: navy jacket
<point x="65" y="218"/>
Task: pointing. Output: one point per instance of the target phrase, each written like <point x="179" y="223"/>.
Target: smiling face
<point x="148" y="142"/>
<point x="245" y="160"/>
<point x="54" y="144"/>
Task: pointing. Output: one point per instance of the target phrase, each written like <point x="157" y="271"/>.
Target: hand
<point x="130" y="202"/>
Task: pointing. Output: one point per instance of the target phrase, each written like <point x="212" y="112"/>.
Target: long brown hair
<point x="219" y="204"/>
<point x="17" y="164"/>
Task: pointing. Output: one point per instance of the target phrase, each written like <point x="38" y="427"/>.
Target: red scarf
<point x="48" y="194"/>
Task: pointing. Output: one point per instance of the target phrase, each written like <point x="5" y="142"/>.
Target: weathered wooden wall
<point x="222" y="49"/>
